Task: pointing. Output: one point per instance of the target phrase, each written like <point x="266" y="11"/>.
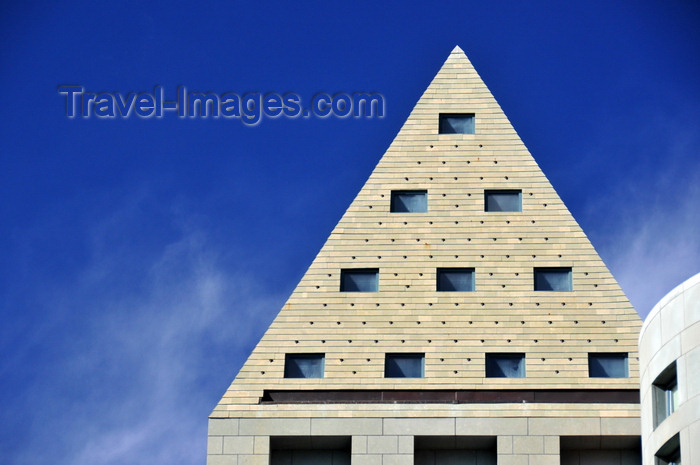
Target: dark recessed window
<point x="454" y="450"/>
<point x="409" y="201"/>
<point x="359" y="280"/>
<point x="505" y="365"/>
<point x="303" y="365"/>
<point x="670" y="453"/>
<point x="455" y="279"/>
<point x="503" y="201"/>
<point x="316" y="450"/>
<point x="404" y="365"/>
<point x="553" y="279"/>
<point x="665" y="389"/>
<point x="607" y="366"/>
<point x="456" y="123"/>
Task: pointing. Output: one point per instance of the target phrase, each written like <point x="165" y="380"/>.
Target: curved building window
<point x="670" y="453"/>
<point x="665" y="389"/>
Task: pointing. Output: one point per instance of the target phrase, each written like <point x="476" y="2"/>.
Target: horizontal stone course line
<point x="615" y="396"/>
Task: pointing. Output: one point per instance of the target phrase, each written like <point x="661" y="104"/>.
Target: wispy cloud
<point x="134" y="382"/>
<point x="648" y="228"/>
<point x="658" y="248"/>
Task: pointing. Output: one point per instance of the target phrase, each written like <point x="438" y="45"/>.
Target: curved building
<point x="669" y="350"/>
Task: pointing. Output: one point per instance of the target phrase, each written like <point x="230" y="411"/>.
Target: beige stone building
<point x="456" y="314"/>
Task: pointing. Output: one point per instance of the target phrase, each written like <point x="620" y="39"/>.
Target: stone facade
<point x="543" y="408"/>
<point x="670" y="381"/>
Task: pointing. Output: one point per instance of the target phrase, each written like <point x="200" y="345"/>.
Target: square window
<point x="409" y="201"/>
<point x="304" y="365"/>
<point x="503" y="201"/>
<point x="553" y="279"/>
<point x="665" y="388"/>
<point x="359" y="280"/>
<point x="403" y="365"/>
<point x="607" y="365"/>
<point x="455" y="279"/>
<point x="456" y="123"/>
<point x="505" y="365"/>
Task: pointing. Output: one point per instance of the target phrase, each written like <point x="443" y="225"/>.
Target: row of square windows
<point x="494" y="200"/>
<point x="416" y="201"/>
<point x="455" y="279"/>
<point x="412" y="365"/>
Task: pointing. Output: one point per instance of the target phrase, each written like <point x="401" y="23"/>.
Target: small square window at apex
<point x="403" y="365"/>
<point x="503" y="200"/>
<point x="508" y="365"/>
<point x="553" y="279"/>
<point x="415" y="201"/>
<point x="359" y="280"/>
<point x="608" y="365"/>
<point x="455" y="279"/>
<point x="456" y="123"/>
<point x="304" y="365"/>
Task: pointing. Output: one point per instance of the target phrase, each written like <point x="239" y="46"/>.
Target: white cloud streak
<point x="648" y="228"/>
<point x="657" y="248"/>
<point x="138" y="382"/>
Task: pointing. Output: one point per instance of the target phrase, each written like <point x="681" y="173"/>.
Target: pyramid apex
<point x="457" y="55"/>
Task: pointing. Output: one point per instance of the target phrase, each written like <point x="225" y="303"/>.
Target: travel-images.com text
<point x="250" y="107"/>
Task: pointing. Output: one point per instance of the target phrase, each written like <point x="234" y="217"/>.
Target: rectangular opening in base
<point x="579" y="450"/>
<point x="310" y="450"/>
<point x="455" y="450"/>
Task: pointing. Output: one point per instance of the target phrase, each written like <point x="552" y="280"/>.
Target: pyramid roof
<point x="556" y="330"/>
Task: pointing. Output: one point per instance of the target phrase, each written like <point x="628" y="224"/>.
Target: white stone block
<point x="222" y="460"/>
<point x="346" y="426"/>
<point x="420" y="426"/>
<point x="238" y="445"/>
<point x="275" y="426"/>
<point x="491" y="426"/>
<point x="223" y="426"/>
<point x="382" y="444"/>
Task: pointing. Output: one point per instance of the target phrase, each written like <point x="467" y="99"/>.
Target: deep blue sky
<point x="143" y="258"/>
